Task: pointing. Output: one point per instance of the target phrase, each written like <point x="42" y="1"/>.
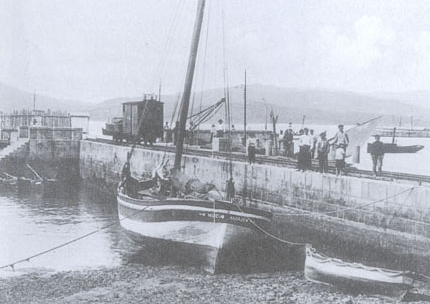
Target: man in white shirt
<point x="305" y="145"/>
<point x="341" y="138"/>
<point x="314" y="143"/>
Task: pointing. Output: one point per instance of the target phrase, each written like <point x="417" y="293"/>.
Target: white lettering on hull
<point x="191" y="232"/>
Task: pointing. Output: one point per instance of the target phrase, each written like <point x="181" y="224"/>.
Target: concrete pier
<point x="365" y="218"/>
<point x="53" y="152"/>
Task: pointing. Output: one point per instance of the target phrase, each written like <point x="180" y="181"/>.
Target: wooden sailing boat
<point x="212" y="227"/>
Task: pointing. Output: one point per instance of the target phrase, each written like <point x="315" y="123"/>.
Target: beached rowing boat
<point x="354" y="276"/>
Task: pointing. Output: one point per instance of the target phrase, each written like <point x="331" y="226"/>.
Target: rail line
<point x="279" y="161"/>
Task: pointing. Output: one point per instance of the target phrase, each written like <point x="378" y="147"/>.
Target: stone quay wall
<point x="365" y="218"/>
<point x="52" y="152"/>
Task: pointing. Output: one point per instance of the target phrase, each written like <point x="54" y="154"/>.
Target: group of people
<point x="311" y="146"/>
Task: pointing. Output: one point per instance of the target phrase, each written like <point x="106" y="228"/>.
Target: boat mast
<point x="188" y="84"/>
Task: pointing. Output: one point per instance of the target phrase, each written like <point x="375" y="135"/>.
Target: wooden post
<point x="356" y="155"/>
<point x="275" y="138"/>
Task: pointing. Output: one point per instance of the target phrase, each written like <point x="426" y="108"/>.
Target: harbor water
<point x="34" y="222"/>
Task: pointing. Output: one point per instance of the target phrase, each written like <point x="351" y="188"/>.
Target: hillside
<point x="16" y="99"/>
<point x="319" y="106"/>
<point x="416" y="98"/>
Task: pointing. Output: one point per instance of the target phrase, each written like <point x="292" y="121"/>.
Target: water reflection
<point x="33" y="222"/>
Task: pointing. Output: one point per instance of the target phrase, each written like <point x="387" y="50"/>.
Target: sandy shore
<point x="135" y="283"/>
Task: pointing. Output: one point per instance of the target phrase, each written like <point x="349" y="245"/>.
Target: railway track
<point x="280" y="162"/>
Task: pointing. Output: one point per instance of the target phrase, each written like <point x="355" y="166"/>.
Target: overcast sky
<point x="92" y="50"/>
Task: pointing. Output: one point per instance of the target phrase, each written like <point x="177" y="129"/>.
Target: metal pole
<point x="244" y="110"/>
<point x="265" y="115"/>
<point x="188" y="84"/>
<point x="159" y="91"/>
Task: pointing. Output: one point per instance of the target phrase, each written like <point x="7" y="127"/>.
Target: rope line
<point x="324" y="213"/>
<point x="12" y="265"/>
<point x="349" y="208"/>
<point x="268" y="233"/>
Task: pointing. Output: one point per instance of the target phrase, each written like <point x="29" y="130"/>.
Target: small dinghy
<point x="354" y="276"/>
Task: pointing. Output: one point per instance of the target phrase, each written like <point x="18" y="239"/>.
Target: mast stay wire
<point x="226" y="90"/>
<point x="159" y="69"/>
<point x="208" y="19"/>
<point x="201" y="68"/>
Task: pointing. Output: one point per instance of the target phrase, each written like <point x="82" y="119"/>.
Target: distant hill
<point x="16" y="99"/>
<point x="319" y="106"/>
<point x="416" y="98"/>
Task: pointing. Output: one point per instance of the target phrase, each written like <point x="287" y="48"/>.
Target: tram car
<point x="142" y="121"/>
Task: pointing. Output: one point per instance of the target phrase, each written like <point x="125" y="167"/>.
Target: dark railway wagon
<point x="141" y="121"/>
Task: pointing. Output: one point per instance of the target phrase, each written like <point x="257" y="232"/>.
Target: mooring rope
<point x="348" y="208"/>
<point x="12" y="265"/>
<point x="324" y="213"/>
<point x="267" y="232"/>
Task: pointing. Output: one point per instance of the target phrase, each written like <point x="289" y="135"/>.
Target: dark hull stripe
<point x="189" y="215"/>
<point x="151" y="201"/>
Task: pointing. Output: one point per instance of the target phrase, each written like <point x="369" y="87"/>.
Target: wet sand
<point x="136" y="283"/>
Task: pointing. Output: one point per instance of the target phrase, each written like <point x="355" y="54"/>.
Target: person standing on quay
<point x="220" y="129"/>
<point x="305" y="161"/>
<point x="251" y="153"/>
<point x="167" y="133"/>
<point x="340" y="159"/>
<point x="322" y="148"/>
<point x="341" y="138"/>
<point x="377" y="153"/>
<point x="288" y="142"/>
<point x="314" y="143"/>
<point x="213" y="132"/>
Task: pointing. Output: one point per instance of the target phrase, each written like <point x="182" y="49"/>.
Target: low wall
<point x="53" y="152"/>
<point x="350" y="214"/>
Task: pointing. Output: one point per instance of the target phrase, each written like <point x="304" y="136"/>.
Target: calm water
<point x="33" y="222"/>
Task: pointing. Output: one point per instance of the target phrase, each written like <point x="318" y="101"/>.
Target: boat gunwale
<point x="226" y="205"/>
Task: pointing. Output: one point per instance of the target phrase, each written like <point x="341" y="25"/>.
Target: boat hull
<point x="394" y="148"/>
<point x="355" y="277"/>
<point x="214" y="235"/>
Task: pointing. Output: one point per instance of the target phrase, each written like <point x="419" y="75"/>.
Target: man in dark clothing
<point x="288" y="142"/>
<point x="377" y="153"/>
<point x="251" y="153"/>
<point x="322" y="150"/>
<point x="126" y="174"/>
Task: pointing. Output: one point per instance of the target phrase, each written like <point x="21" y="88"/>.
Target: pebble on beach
<point x="136" y="283"/>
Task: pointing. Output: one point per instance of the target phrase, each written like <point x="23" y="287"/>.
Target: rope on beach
<point x="12" y="265"/>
